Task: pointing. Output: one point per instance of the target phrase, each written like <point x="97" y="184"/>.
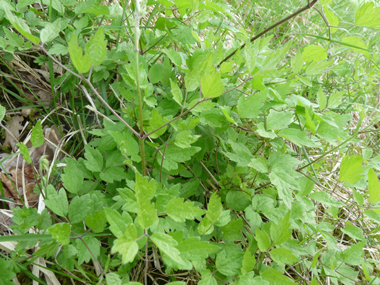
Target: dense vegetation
<point x="189" y="142"/>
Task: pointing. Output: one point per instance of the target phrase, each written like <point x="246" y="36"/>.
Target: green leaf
<point x="249" y="262"/>
<point x="353" y="231"/>
<point x="331" y="18"/>
<point x="354" y="254"/>
<point x="280" y="232"/>
<point x="232" y="231"/>
<point x="113" y="278"/>
<point x="351" y="170"/>
<point x="278" y="120"/>
<point x="60" y="232"/>
<point x="241" y="154"/>
<point x="58" y="49"/>
<point x="176" y="92"/>
<point x="6" y="273"/>
<point x="249" y="108"/>
<point x="283" y="256"/>
<point x="156" y="73"/>
<point x="97" y="222"/>
<point x="373" y="186"/>
<point x="229" y="260"/>
<point x="184" y="139"/>
<point x="263" y="240"/>
<point x="113" y="173"/>
<point x="367" y="15"/>
<point x="314" y="53"/>
<point x="297" y="62"/>
<point x="81" y="62"/>
<point x="194" y="76"/>
<point x="335" y="99"/>
<point x="194" y="249"/>
<point x="276" y="277"/>
<point x="298" y="137"/>
<point x="325" y="199"/>
<point x="96" y="47"/>
<point x="117" y="223"/>
<point x="208" y="278"/>
<point x="51" y="30"/>
<point x="155" y="122"/>
<point x="126" y="244"/>
<point x="357" y="42"/>
<point x="2" y="112"/>
<point x="127" y="143"/>
<point x="321" y="99"/>
<point x="237" y="200"/>
<point x="37" y="136"/>
<point x="57" y="202"/>
<point x="317" y="68"/>
<point x="25" y="152"/>
<point x="250" y="56"/>
<point x="94" y="159"/>
<point x="174" y="56"/>
<point x="179" y="210"/>
<point x="214" y="207"/>
<point x="73" y="177"/>
<point x="147" y="213"/>
<point x="273" y="59"/>
<point x="13" y="38"/>
<point x="212" y="85"/>
<point x="79" y="208"/>
<point x="98" y="10"/>
<point x="175" y="155"/>
<point x="167" y="245"/>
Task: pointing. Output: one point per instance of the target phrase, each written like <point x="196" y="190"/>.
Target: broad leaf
<point x="60" y="232"/>
<point x="57" y="202"/>
<point x="96" y="47"/>
<point x="212" y="85"/>
<point x="126" y="244"/>
<point x="351" y="170"/>
<point x="81" y="62"/>
<point x="179" y="210"/>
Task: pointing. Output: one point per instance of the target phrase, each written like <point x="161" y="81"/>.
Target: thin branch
<point x="304" y="8"/>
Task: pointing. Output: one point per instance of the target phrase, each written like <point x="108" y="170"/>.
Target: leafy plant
<point x="232" y="153"/>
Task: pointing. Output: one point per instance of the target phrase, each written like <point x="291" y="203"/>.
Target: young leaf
<point x="179" y="210"/>
<point x="280" y="232"/>
<point x="155" y="122"/>
<point x="60" y="232"/>
<point x="118" y="224"/>
<point x="314" y="53"/>
<point x="147" y="213"/>
<point x="51" y="30"/>
<point x="96" y="47"/>
<point x="351" y="170"/>
<point x="176" y="92"/>
<point x="94" y="159"/>
<point x="184" y="139"/>
<point x="81" y="62"/>
<point x="283" y="256"/>
<point x="97" y="222"/>
<point x="297" y="62"/>
<point x="73" y="177"/>
<point x="263" y="240"/>
<point x="194" y="249"/>
<point x="57" y="202"/>
<point x="126" y="244"/>
<point x="321" y="99"/>
<point x="37" y="136"/>
<point x="368" y="16"/>
<point x="249" y="262"/>
<point x="331" y="18"/>
<point x="373" y="186"/>
<point x="113" y="173"/>
<point x="167" y="245"/>
<point x="25" y="152"/>
<point x="2" y="112"/>
<point x="212" y="85"/>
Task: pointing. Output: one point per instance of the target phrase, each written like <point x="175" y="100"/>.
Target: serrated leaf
<point x="79" y="208"/>
<point x="184" y="139"/>
<point x="283" y="256"/>
<point x="155" y="122"/>
<point x="37" y="136"/>
<point x="298" y="137"/>
<point x="297" y="62"/>
<point x="167" y="245"/>
<point x="276" y="277"/>
<point x="73" y="177"/>
<point x="81" y="62"/>
<point x="60" y="232"/>
<point x="249" y="262"/>
<point x="357" y="42"/>
<point x="96" y="47"/>
<point x="335" y="99"/>
<point x="232" y="231"/>
<point x="194" y="249"/>
<point x="354" y="254"/>
<point x="94" y="159"/>
<point x="353" y="231"/>
<point x="173" y="55"/>
<point x="331" y="18"/>
<point x="58" y="49"/>
<point x="212" y="85"/>
<point x="51" y="30"/>
<point x="147" y="213"/>
<point x="176" y="92"/>
<point x="250" y="56"/>
<point x="194" y="76"/>
<point x="351" y="169"/>
<point x="249" y="108"/>
<point x="314" y="53"/>
<point x="229" y="260"/>
<point x="280" y="232"/>
<point x="126" y="244"/>
<point x="175" y="155"/>
<point x="278" y="120"/>
<point x="13" y="38"/>
<point x="179" y="210"/>
<point x="208" y="278"/>
<point x="367" y="15"/>
<point x="317" y="68"/>
<point x="97" y="222"/>
<point x="57" y="202"/>
<point x="373" y="186"/>
<point x="113" y="173"/>
<point x="25" y="152"/>
<point x="263" y="240"/>
<point x="118" y="224"/>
